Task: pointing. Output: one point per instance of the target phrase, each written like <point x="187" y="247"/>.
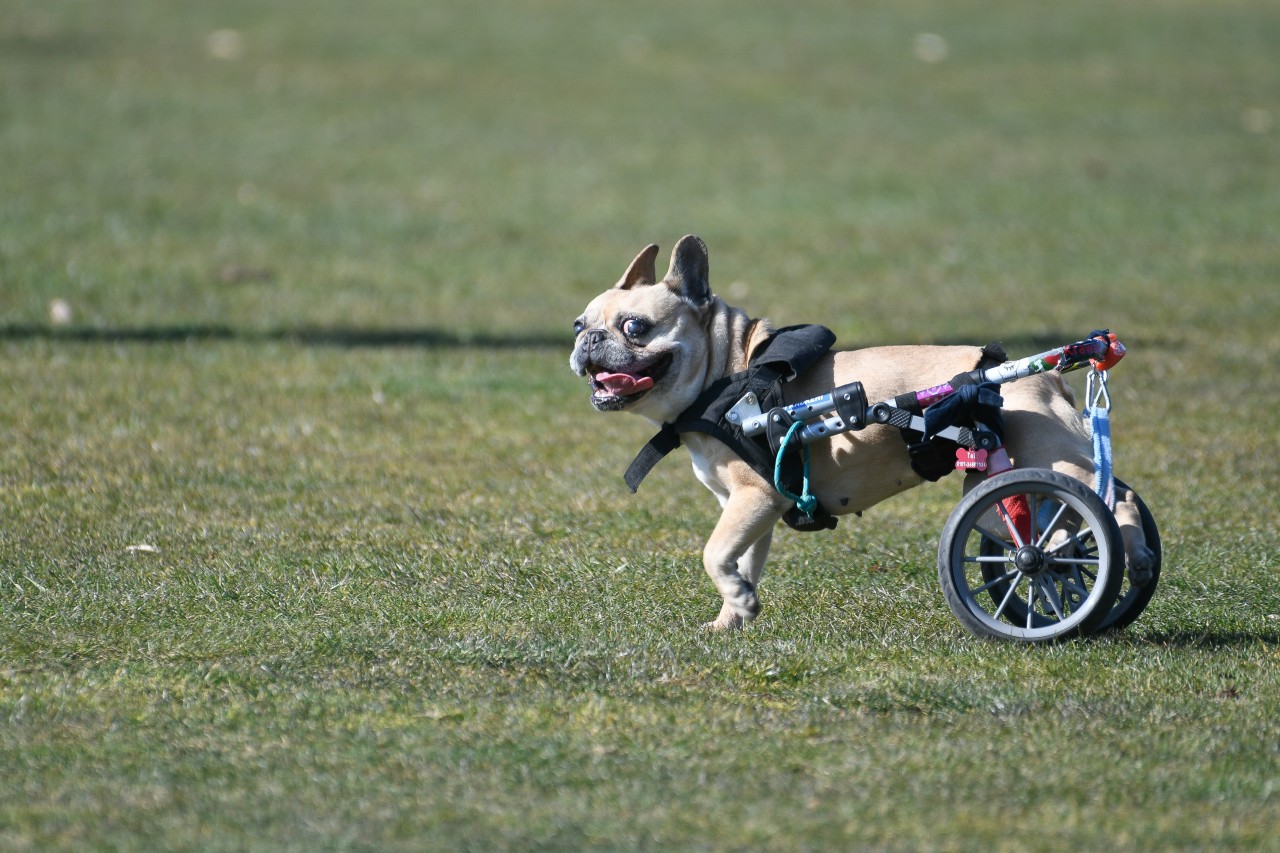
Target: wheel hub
<point x="1030" y="560"/>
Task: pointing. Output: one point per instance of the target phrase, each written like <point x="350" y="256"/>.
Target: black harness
<point x="786" y="354"/>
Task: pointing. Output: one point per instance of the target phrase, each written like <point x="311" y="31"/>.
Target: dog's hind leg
<point x="735" y="554"/>
<point x="1139" y="557"/>
<point x="1044" y="430"/>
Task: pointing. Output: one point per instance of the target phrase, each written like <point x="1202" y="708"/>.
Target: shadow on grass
<point x="334" y="336"/>
<point x="1212" y="639"/>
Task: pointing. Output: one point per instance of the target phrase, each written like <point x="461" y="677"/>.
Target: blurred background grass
<point x="285" y="296"/>
<point x="489" y="167"/>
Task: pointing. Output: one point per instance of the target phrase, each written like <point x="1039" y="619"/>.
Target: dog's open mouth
<point x="611" y="390"/>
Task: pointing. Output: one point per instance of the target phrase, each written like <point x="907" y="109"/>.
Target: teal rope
<point x="808" y="503"/>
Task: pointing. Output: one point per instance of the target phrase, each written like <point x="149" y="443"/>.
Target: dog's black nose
<point x="584" y="350"/>
<point x="591" y="339"/>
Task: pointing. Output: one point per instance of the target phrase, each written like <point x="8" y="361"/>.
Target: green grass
<point x="396" y="595"/>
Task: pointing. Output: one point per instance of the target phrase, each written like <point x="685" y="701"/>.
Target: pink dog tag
<point x="971" y="460"/>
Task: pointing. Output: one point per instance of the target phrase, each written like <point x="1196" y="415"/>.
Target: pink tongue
<point x="624" y="384"/>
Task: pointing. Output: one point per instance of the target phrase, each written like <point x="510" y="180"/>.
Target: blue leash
<point x="1104" y="482"/>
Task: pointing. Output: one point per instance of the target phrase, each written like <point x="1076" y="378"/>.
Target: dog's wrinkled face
<point x="642" y="344"/>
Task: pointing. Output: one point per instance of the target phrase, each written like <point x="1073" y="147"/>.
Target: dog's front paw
<point x="731" y="622"/>
<point x="728" y="620"/>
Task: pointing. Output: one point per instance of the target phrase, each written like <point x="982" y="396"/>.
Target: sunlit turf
<point x="310" y="540"/>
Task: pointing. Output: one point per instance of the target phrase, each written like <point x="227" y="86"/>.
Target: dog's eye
<point x="578" y="326"/>
<point x="634" y="328"/>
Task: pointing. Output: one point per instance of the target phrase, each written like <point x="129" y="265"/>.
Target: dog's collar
<point x="786" y="354"/>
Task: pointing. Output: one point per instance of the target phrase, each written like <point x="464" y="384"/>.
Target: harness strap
<point x="667" y="440"/>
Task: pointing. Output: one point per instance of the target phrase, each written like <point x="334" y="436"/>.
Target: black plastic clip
<point x="851" y="404"/>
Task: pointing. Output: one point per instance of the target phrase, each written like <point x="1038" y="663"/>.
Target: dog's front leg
<point x="735" y="554"/>
<point x="750" y="567"/>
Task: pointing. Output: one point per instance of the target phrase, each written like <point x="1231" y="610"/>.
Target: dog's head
<point x="643" y="343"/>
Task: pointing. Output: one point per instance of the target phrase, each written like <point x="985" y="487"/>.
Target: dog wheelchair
<point x="1028" y="555"/>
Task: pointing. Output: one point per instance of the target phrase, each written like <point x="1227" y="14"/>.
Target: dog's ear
<point x="642" y="270"/>
<point x="689" y="272"/>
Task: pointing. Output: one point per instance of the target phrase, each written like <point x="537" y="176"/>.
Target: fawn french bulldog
<point x="652" y="346"/>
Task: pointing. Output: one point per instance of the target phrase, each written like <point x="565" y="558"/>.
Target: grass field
<point x="310" y="540"/>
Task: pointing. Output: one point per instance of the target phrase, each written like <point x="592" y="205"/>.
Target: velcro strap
<point x="908" y="403"/>
<point x="992" y="354"/>
<point x="967" y="405"/>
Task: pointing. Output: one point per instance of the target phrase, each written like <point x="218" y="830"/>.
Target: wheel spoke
<point x="1074" y="583"/>
<point x="1008" y="596"/>
<point x="1051" y="526"/>
<point x="1009" y="523"/>
<point x="1002" y="544"/>
<point x="1049" y="595"/>
<point x="1075" y="561"/>
<point x="986" y="586"/>
<point x="1075" y="541"/>
<point x="1035" y="515"/>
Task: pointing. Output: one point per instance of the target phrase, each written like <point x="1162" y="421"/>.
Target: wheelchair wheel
<point x="1031" y="555"/>
<point x="1133" y="599"/>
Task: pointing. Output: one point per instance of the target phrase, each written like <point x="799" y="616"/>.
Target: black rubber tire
<point x="1070" y="589"/>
